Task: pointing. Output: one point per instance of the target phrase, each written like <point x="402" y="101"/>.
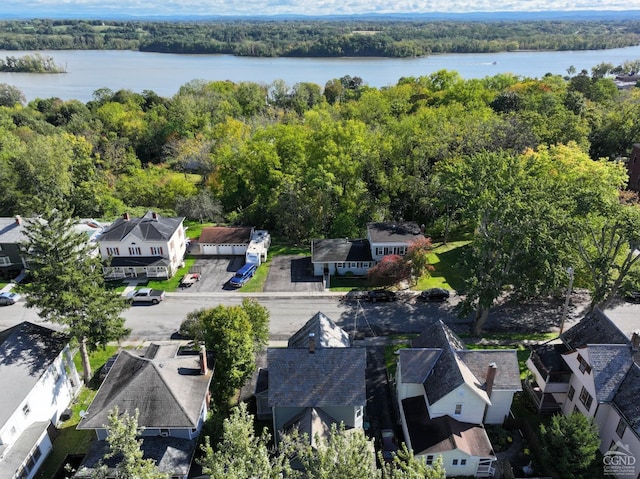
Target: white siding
<point x="500" y="406"/>
<point x="473" y="406"/>
<point x="607" y="419"/>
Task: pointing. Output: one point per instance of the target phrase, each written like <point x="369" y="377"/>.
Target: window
<point x="458" y="409"/>
<point x="37" y="454"/>
<point x="575" y="408"/>
<point x="622" y="427"/>
<point x="359" y="412"/>
<point x="585" y="398"/>
<point x="463" y="462"/>
<point x="339" y="265"/>
<point x="571" y="392"/>
<point x="429" y="460"/>
<point x="454" y="462"/>
<point x="379" y="251"/>
<point x="157" y="251"/>
<point x="135" y="251"/>
<point x="5" y="260"/>
<point x="26" y="409"/>
<point x="113" y="251"/>
<point x="584" y="367"/>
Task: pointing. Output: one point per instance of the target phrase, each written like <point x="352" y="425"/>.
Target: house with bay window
<point x="151" y="246"/>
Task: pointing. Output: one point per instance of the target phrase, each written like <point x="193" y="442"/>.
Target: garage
<point x="225" y="241"/>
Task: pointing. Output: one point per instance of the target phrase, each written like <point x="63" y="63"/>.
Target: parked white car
<point x="7" y="298"/>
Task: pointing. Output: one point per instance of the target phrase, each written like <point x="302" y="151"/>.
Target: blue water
<point x="88" y="71"/>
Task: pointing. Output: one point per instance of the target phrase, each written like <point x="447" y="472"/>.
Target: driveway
<point x="291" y="273"/>
<point x="215" y="272"/>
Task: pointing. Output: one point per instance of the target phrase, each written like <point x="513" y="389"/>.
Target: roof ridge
<point x="157" y="368"/>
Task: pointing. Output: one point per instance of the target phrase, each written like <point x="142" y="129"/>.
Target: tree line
<point x="318" y="38"/>
<point x="508" y="161"/>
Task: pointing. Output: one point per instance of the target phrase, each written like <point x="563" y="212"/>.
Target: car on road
<point x="434" y="294"/>
<point x="146" y="295"/>
<point x="355" y="295"/>
<point x="381" y="295"/>
<point x="389" y="446"/>
<point x="7" y="298"/>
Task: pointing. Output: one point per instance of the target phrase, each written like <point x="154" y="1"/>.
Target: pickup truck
<point x="146" y="295"/>
<point x="189" y="279"/>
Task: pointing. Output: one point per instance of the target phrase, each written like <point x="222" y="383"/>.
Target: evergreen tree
<point x="125" y="448"/>
<point x="67" y="287"/>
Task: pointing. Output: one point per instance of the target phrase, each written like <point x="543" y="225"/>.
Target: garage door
<point x="239" y="249"/>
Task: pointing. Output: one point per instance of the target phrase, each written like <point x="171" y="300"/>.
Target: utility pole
<point x="567" y="299"/>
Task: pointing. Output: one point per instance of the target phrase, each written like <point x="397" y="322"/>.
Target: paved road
<point x="288" y="313"/>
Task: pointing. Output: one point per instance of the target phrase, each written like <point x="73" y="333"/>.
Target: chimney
<point x="312" y="343"/>
<point x="154" y="216"/>
<point x="126" y="216"/>
<point x="203" y="360"/>
<point x="635" y="341"/>
<point x="491" y="377"/>
<point x="18" y="219"/>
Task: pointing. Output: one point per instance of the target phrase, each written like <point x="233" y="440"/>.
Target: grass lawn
<point x="444" y="258"/>
<point x="69" y="439"/>
<point x="194" y="228"/>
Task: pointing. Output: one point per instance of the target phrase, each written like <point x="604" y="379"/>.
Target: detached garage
<point x="225" y="241"/>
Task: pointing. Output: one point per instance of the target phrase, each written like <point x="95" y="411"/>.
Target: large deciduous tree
<point x="235" y="334"/>
<point x="67" y="287"/>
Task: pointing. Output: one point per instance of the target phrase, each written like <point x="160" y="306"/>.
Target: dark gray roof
<point x="168" y="392"/>
<point x="416" y="364"/>
<point x="441" y="434"/>
<point x="438" y="335"/>
<point x="340" y="250"/>
<point x="595" y="328"/>
<point x="627" y="398"/>
<point x="506" y="360"/>
<point x="172" y="455"/>
<point x="27" y="350"/>
<point x="327" y="334"/>
<point x="609" y="365"/>
<point x="151" y="227"/>
<point x="390" y="232"/>
<point x="328" y="377"/>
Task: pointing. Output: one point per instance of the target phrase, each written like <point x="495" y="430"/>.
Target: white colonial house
<point x="600" y="378"/>
<point x="38" y="380"/>
<point x="169" y="389"/>
<point x="151" y="246"/>
<point x="447" y="392"/>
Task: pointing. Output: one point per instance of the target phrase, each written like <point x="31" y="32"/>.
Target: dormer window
<point x="584" y="366"/>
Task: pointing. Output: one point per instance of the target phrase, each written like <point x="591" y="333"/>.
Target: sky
<point x="41" y="8"/>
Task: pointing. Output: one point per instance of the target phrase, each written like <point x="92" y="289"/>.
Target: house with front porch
<point x="170" y="391"/>
<point x="600" y="379"/>
<point x="446" y="393"/>
<point x="39" y="381"/>
<point x="151" y="246"/>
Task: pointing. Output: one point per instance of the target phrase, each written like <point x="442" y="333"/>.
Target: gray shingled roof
<point x="172" y="455"/>
<point x="168" y="392"/>
<point x="627" y="398"/>
<point x="146" y="228"/>
<point x="441" y="434"/>
<point x="327" y="334"/>
<point x="340" y="250"/>
<point x="416" y="364"/>
<point x="595" y="328"/>
<point x="328" y="377"/>
<point x="12" y="231"/>
<point x="609" y="365"/>
<point x="27" y="350"/>
<point x="507" y="373"/>
<point x="438" y="335"/>
<point x="394" y="232"/>
<point x="312" y="422"/>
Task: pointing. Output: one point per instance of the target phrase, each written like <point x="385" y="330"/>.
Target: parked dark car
<point x="381" y="295"/>
<point x="434" y="294"/>
<point x="355" y="295"/>
<point x="632" y="296"/>
<point x="389" y="446"/>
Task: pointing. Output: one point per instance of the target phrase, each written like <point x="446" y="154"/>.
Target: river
<point x="90" y="70"/>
